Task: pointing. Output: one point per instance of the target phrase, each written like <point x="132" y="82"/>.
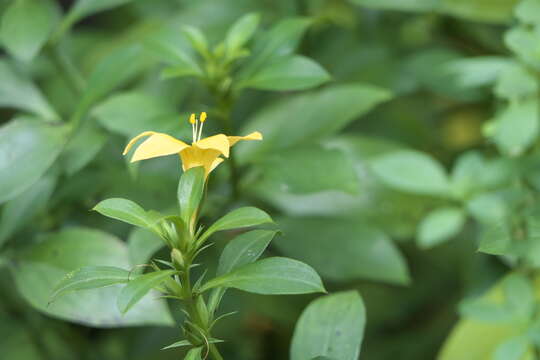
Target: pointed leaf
<point x="287" y="73"/>
<point x="333" y="326"/>
<point x="412" y="171"/>
<point x="17" y="91"/>
<point x="238" y="218"/>
<point x="194" y="354"/>
<point x="271" y="276"/>
<point x="137" y="288"/>
<point x="190" y="193"/>
<point x="439" y="226"/>
<point x="242" y="250"/>
<point x="26" y="26"/>
<point x="240" y="33"/>
<point x="22" y="208"/>
<point x="90" y="277"/>
<point x="126" y="211"/>
<point x="30" y="142"/>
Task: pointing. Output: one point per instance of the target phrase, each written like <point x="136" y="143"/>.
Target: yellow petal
<point x="157" y="144"/>
<point x="215" y="164"/>
<point x="193" y="157"/>
<point x="253" y="136"/>
<point x="217" y="142"/>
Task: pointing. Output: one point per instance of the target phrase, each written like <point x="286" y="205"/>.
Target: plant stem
<point x="225" y="102"/>
<point x="215" y="352"/>
<point x="193" y="311"/>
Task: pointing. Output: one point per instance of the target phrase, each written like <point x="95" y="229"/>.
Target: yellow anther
<point x="192" y="119"/>
<point x="203" y="117"/>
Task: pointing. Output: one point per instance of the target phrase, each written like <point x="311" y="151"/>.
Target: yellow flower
<point x="202" y="152"/>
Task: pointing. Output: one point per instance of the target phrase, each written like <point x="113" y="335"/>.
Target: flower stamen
<point x="193" y="122"/>
<point x="202" y="119"/>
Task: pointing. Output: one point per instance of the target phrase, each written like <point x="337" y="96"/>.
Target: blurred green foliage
<point x="400" y="160"/>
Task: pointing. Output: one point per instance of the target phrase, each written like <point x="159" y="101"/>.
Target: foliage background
<point x="404" y="76"/>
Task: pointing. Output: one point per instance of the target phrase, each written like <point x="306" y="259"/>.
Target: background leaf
<point x="411" y="171"/>
<point x="40" y="267"/>
<point x="333" y="326"/>
<point x="33" y="143"/>
<point x="26" y="26"/>
<point x="288" y="73"/>
<point x="17" y="91"/>
<point x="309" y="118"/>
<point x="341" y="249"/>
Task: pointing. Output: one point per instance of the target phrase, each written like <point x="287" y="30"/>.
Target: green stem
<point x="225" y="102"/>
<point x="215" y="352"/>
<point x="193" y="311"/>
<point x="66" y="68"/>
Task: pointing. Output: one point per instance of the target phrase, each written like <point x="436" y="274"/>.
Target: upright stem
<point x="225" y="102"/>
<point x="193" y="311"/>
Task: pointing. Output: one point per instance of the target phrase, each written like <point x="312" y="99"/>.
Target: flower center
<point x="197" y="125"/>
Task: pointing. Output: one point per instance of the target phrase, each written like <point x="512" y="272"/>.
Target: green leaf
<point x="17" y="91"/>
<point x="22" y="208"/>
<point x="332" y="326"/>
<point x="288" y="73"/>
<point x="90" y="277"/>
<point x="172" y="53"/>
<point x="311" y="169"/>
<point x="517" y="127"/>
<point x="282" y="39"/>
<point x="478" y="10"/>
<point x="83" y="147"/>
<point x="181" y="70"/>
<point x="496" y="239"/>
<point x="142" y="244"/>
<point x="126" y="211"/>
<point x="519" y="296"/>
<point x="522" y="41"/>
<point x="516" y="82"/>
<point x="342" y="249"/>
<point x="477" y="71"/>
<point x="528" y="11"/>
<point x="190" y="193"/>
<point x="38" y="268"/>
<point x="487" y="208"/>
<point x="512" y="349"/>
<point x="84" y="8"/>
<point x="411" y="171"/>
<point x="26" y="26"/>
<point x="30" y="142"/>
<point x="307" y="118"/>
<point x="242" y="250"/>
<point x="194" y="354"/>
<point x="404" y="5"/>
<point x="271" y="276"/>
<point x="439" y="226"/>
<point x="240" y="33"/>
<point x="183" y="343"/>
<point x="131" y="113"/>
<point x="463" y="341"/>
<point x="134" y="291"/>
<point x="114" y="70"/>
<point x="197" y="39"/>
<point x="239" y="218"/>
